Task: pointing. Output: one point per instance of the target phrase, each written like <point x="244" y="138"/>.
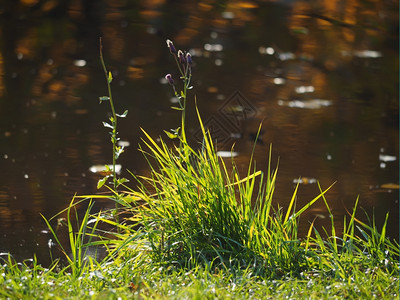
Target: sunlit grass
<point x="131" y="277"/>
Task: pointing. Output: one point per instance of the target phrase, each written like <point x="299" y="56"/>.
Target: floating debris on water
<point x="363" y="53"/>
<point x="383" y="158"/>
<point x="368" y="54"/>
<point x="305" y="180"/>
<point x="228" y="15"/>
<point x="80" y="62"/>
<point x="307" y="104"/>
<point x="304" y="89"/>
<point x="227" y="153"/>
<point x="386" y="158"/>
<point x="213" y="47"/>
<point x="266" y="50"/>
<point x="286" y="56"/>
<point x="279" y="81"/>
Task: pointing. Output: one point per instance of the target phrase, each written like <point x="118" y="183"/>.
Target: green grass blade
<point x="305" y="207"/>
<point x="291" y="203"/>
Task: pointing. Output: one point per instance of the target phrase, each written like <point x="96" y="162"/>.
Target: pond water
<point x="321" y="76"/>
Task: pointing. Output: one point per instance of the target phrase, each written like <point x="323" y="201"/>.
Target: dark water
<point x="321" y="76"/>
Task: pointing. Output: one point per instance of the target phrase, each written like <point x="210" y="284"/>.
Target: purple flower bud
<point x="181" y="57"/>
<point x="171" y="47"/>
<point x="189" y="58"/>
<point x="168" y="77"/>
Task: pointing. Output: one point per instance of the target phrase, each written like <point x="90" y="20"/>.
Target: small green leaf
<point x="101" y="182"/>
<point x="171" y="135"/>
<point x="110" y="78"/>
<point x="176" y="108"/>
<point x="189" y="87"/>
<point x="121" y="181"/>
<point x="123" y="115"/>
<point x="105" y="124"/>
<point x="104" y="98"/>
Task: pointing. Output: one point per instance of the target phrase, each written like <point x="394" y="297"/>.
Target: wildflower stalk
<point x="184" y="62"/>
<point x="113" y="119"/>
<point x="116" y="150"/>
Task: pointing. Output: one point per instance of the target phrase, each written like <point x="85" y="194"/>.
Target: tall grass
<point x="80" y="237"/>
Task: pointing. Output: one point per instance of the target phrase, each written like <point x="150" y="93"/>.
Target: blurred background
<point x="322" y="77"/>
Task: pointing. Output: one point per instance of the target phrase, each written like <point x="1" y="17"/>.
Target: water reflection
<point x="339" y="58"/>
<point x="307" y="104"/>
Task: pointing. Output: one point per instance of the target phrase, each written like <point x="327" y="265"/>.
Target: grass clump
<point x="194" y="228"/>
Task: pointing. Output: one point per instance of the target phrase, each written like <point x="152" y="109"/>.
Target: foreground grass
<point x="127" y="280"/>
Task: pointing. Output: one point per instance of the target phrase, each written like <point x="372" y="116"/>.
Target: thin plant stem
<point x="114" y="115"/>
<point x="113" y="120"/>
